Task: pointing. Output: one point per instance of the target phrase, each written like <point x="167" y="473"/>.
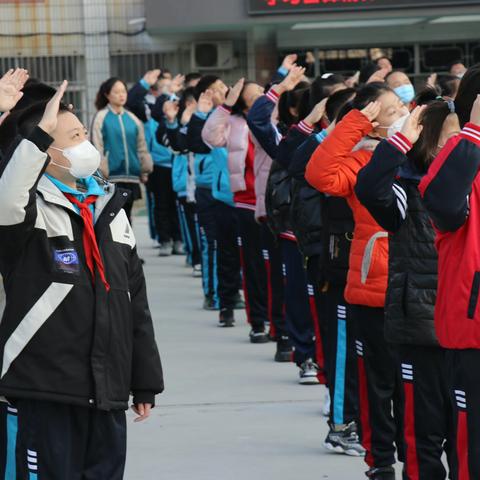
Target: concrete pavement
<point x="229" y="412"/>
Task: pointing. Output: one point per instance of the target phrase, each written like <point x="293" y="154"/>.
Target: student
<point x="288" y="94"/>
<point x="323" y="226"/>
<point x="402" y="86"/>
<point x="72" y="290"/>
<point x="120" y="138"/>
<point x="177" y="117"/>
<point x="220" y="258"/>
<point x="141" y="101"/>
<point x="248" y="166"/>
<point x="375" y="112"/>
<point x="388" y="188"/>
<point x="450" y="193"/>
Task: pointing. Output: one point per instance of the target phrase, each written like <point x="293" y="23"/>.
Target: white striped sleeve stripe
<point x="305" y="128"/>
<point x="472" y="132"/>
<point x="272" y="96"/>
<point x="398" y="142"/>
<point x="471" y="135"/>
<point x="401" y="200"/>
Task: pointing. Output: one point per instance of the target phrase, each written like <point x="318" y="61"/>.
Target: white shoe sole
<point x="350" y="452"/>
<point x="309" y="381"/>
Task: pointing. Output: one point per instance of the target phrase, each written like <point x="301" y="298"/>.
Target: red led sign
<point x="292" y="6"/>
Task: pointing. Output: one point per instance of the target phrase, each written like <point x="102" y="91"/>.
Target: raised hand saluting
<point x="234" y="93"/>
<point x="10" y="88"/>
<point x="49" y="121"/>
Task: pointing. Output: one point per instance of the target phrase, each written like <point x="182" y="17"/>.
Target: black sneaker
<point x="384" y="473"/>
<point x="210" y="304"/>
<point x="258" y="337"/>
<point x="308" y="373"/>
<point x="344" y="439"/>
<point x="226" y="318"/>
<point x="284" y="350"/>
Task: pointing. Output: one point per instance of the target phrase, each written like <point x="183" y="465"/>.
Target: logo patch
<point x="66" y="261"/>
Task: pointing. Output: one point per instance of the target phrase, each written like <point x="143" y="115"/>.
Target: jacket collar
<point x="52" y="194"/>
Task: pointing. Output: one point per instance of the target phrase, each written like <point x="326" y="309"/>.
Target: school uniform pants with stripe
<point x="380" y="392"/>
<point x="8" y="440"/>
<point x="228" y="258"/>
<point x="428" y="416"/>
<point x="59" y="442"/>
<point x="207" y="223"/>
<point x="297" y="303"/>
<point x="463" y="376"/>
<point x="272" y="256"/>
<point x="340" y="356"/>
<point x="189" y="227"/>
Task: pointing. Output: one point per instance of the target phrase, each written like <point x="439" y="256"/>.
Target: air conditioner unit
<point x="212" y="56"/>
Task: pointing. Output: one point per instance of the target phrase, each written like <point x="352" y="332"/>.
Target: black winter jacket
<point x="388" y="188"/>
<point x="64" y="338"/>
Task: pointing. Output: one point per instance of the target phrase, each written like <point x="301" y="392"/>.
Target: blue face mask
<point x="406" y="93"/>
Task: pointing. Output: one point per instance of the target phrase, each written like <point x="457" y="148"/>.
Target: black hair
<point x="337" y="101"/>
<point x="448" y="85"/>
<point x="428" y="95"/>
<point x="454" y="62"/>
<point x="204" y="84"/>
<point x="29" y="118"/>
<point x="240" y="106"/>
<point x="367" y="94"/>
<point x="192" y="76"/>
<point x="367" y="71"/>
<point x="425" y="149"/>
<point x="322" y="87"/>
<point x="188" y="94"/>
<point x="467" y="93"/>
<point x="105" y="88"/>
<point x="290" y="100"/>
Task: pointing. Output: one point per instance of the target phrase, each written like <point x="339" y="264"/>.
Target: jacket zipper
<point x="124" y="138"/>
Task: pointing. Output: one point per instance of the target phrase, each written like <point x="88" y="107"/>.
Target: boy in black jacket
<point x="76" y="335"/>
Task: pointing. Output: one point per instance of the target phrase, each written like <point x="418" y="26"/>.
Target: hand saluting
<point x="49" y="121"/>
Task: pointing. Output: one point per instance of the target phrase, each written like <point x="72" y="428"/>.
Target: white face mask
<point x="396" y="126"/>
<point x="84" y="159"/>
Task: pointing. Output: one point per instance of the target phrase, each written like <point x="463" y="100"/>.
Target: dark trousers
<point x="164" y="204"/>
<point x="340" y="356"/>
<point x="297" y="304"/>
<point x="254" y="274"/>
<point x="228" y="258"/>
<point x="463" y="377"/>
<point x="272" y="255"/>
<point x="8" y="440"/>
<point x="206" y="212"/>
<point x="316" y="297"/>
<point x="189" y="228"/>
<point x="59" y="442"/>
<point x="428" y="414"/>
<point x="379" y="389"/>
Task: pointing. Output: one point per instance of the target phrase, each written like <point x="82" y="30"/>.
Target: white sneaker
<point x="308" y="373"/>
<point x="326" y="405"/>
<point x="197" y="271"/>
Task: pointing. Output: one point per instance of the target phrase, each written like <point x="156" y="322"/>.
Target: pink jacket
<point x="222" y="129"/>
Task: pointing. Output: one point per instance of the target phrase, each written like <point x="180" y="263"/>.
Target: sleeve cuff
<point x="272" y="95"/>
<point x="173" y="125"/>
<point x="201" y="115"/>
<point x="143" y="396"/>
<point x="144" y="84"/>
<point x="471" y="132"/>
<point x="400" y="142"/>
<point x="174" y="97"/>
<point x="305" y="128"/>
<point x="282" y="71"/>
<point x="321" y="136"/>
<point x="226" y="108"/>
<point x="40" y="138"/>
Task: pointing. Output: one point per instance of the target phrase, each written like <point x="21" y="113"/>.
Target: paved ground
<point x="229" y="412"/>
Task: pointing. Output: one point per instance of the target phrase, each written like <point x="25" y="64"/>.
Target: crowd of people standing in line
<point x="343" y="208"/>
